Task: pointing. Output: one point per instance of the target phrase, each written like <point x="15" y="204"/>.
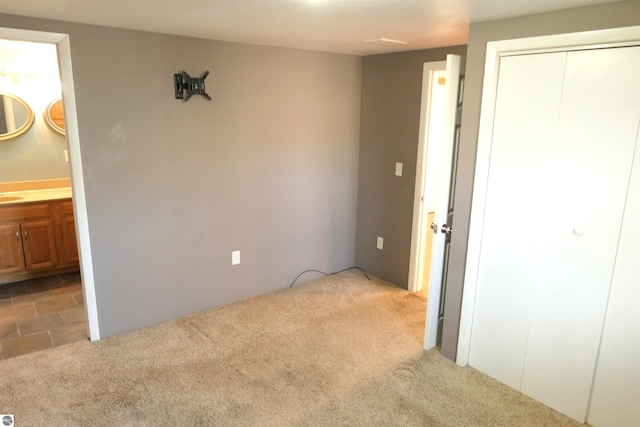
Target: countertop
<point x="31" y="196"/>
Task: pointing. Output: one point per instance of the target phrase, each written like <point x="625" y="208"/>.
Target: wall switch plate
<point x="398" y="169"/>
<point x="235" y="257"/>
<point x="66" y="156"/>
<point x="380" y="243"/>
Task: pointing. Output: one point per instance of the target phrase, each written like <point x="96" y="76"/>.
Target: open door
<point x="452" y="114"/>
<point x="429" y="138"/>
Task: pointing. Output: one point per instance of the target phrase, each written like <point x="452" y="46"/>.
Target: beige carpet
<point x="337" y="351"/>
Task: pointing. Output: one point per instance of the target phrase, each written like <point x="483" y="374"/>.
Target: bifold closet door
<point x="592" y="160"/>
<point x="615" y="401"/>
<point x="616" y="389"/>
<point x="549" y="246"/>
<point x="516" y="213"/>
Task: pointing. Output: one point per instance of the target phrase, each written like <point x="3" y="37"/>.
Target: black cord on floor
<point x="327" y="274"/>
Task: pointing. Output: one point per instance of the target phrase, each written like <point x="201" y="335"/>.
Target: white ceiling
<point x="338" y="26"/>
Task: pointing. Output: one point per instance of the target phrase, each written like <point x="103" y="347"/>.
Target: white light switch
<point x="235" y="257"/>
<point x="380" y="243"/>
<point x="398" y="169"/>
<point x="66" y="156"/>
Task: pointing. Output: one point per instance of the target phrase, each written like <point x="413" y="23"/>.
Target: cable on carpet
<point x="327" y="274"/>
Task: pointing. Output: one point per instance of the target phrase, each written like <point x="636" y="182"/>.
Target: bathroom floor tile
<point x="35" y="314"/>
<point x="55" y="305"/>
<point x="66" y="289"/>
<point x="69" y="334"/>
<point x="35" y="285"/>
<point x="9" y="331"/>
<point x="79" y="298"/>
<point x="72" y="278"/>
<point x="11" y="314"/>
<point x="40" y="324"/>
<point x="24" y="345"/>
<point x="30" y="298"/>
<point x="12" y="289"/>
<point x="75" y="315"/>
<point x="49" y="281"/>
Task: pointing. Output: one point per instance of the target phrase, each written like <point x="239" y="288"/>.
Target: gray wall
<point x="582" y="19"/>
<point x="390" y="122"/>
<point x="269" y="167"/>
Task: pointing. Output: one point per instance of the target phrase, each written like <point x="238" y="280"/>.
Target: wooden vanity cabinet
<point x="36" y="240"/>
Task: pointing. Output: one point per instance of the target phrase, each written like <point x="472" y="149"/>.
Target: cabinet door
<point x="39" y="244"/>
<point x="69" y="242"/>
<point x="11" y="255"/>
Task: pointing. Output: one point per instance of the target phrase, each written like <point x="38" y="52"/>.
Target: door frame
<point x="419" y="227"/>
<point x="75" y="162"/>
<point x="615" y="37"/>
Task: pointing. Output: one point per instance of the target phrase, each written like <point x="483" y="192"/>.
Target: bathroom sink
<point x="9" y="198"/>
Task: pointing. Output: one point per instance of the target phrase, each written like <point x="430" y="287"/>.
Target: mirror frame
<point x="50" y="122"/>
<point x="25" y="127"/>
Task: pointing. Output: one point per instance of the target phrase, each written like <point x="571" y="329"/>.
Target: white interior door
<point x="426" y="177"/>
<point x="445" y="195"/>
<point x="564" y="131"/>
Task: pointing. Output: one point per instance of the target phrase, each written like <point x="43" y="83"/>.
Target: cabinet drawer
<point x="25" y="211"/>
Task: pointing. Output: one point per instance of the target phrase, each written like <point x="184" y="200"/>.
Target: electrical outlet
<point x="398" y="169"/>
<point x="235" y="257"/>
<point x="380" y="243"/>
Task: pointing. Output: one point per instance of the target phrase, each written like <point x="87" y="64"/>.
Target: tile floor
<point x="41" y="313"/>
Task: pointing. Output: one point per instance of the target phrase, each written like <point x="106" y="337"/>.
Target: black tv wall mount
<point x="185" y="86"/>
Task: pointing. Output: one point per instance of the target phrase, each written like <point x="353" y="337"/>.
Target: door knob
<point x="434" y="227"/>
<point x="446" y="229"/>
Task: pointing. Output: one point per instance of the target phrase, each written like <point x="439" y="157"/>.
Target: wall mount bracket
<point x="185" y="86"/>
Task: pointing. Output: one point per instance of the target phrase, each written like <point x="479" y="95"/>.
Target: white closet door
<point x="615" y="400"/>
<point x="564" y="134"/>
<point x="516" y="215"/>
<point x="592" y="161"/>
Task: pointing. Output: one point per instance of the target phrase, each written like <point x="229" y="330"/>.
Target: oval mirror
<point x="16" y="117"/>
<point x="54" y="116"/>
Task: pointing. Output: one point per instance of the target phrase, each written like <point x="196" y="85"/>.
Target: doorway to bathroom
<point x="45" y="300"/>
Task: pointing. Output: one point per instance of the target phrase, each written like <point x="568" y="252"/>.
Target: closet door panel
<point x="616" y="390"/>
<point x="615" y="400"/>
<point x="592" y="162"/>
<point x="528" y="101"/>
